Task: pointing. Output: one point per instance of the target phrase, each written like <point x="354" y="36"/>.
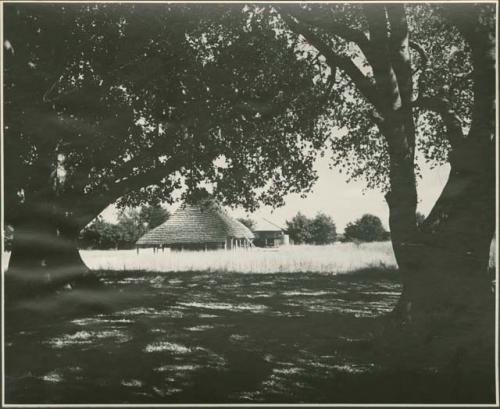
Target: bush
<point x="299" y="229"/>
<point x="323" y="229"/>
<point x="132" y="224"/>
<point x="320" y="230"/>
<point x="367" y="228"/>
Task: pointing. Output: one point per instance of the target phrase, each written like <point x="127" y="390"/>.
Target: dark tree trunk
<point x="446" y="315"/>
<point x="452" y="249"/>
<point x="44" y="256"/>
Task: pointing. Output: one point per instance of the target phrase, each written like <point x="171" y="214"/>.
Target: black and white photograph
<point x="249" y="203"/>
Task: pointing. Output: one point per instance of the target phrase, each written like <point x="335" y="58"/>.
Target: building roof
<point x="202" y="223"/>
<point x="266" y="225"/>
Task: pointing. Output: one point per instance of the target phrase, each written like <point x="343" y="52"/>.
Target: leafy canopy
<point x="135" y="101"/>
<point x="128" y="103"/>
<point x="440" y="64"/>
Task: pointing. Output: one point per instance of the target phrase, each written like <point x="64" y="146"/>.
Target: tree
<point x="322" y="229"/>
<point x="367" y="228"/>
<point x="100" y="235"/>
<point x="299" y="229"/>
<point x="410" y="78"/>
<point x="132" y="224"/>
<point x="244" y="101"/>
<point x="128" y="103"/>
<point x="247" y="222"/>
<point x="153" y="216"/>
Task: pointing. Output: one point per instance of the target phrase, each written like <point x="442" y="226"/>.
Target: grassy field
<point x="333" y="259"/>
<point x="337" y="258"/>
<point x="210" y="327"/>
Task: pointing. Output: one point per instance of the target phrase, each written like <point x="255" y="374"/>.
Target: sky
<point x="343" y="202"/>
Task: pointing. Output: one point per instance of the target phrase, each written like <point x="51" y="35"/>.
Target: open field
<point x="337" y="258"/>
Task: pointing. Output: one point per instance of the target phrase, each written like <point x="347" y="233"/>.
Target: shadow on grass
<point x="198" y="337"/>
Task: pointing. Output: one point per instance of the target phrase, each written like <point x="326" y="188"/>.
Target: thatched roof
<point x="195" y="224"/>
<point x="266" y="225"/>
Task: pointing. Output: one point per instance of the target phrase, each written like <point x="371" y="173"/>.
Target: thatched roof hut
<point x="268" y="234"/>
<point x="264" y="225"/>
<point x="202" y="226"/>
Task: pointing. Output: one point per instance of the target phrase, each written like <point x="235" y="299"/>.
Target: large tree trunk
<point x="44" y="256"/>
<point x="447" y="309"/>
<point x="451" y="250"/>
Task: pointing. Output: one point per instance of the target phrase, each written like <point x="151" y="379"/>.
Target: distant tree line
<point x="321" y="229"/>
<point x="132" y="224"/>
<point x="103" y="235"/>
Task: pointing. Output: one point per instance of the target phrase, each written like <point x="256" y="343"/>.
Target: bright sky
<point x="343" y="201"/>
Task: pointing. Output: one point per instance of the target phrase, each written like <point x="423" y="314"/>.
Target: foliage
<point x="319" y="230"/>
<point x="247" y="222"/>
<point x="100" y="235"/>
<point x="299" y="229"/>
<point x="323" y="230"/>
<point x="367" y="228"/>
<point x="132" y="224"/>
<point x="152" y="216"/>
<point x="127" y="103"/>
<point x="359" y="150"/>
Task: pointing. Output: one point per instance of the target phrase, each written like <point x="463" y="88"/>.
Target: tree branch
<point x="335" y="28"/>
<point x="442" y="106"/>
<point x="422" y="67"/>
<point x="364" y="84"/>
<point x="385" y="77"/>
<point x="399" y="51"/>
<point x="421" y="52"/>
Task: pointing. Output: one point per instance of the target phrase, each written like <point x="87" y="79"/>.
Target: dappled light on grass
<point x="196" y="337"/>
<point x="216" y="336"/>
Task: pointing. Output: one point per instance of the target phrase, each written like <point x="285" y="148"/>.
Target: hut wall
<point x="268" y="238"/>
<point x="197" y="246"/>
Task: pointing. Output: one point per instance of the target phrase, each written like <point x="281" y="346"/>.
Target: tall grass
<point x="337" y="258"/>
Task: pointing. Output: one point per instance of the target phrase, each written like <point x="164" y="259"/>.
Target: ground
<point x="219" y="337"/>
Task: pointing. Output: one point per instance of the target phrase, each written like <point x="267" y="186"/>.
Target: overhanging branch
<point x="363" y="83"/>
<point x="335" y="28"/>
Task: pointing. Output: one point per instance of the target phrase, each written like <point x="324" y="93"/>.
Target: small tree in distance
<point x="132" y="224"/>
<point x="247" y="222"/>
<point x="153" y="216"/>
<point x="299" y="229"/>
<point x="323" y="229"/>
<point x="320" y="230"/>
<point x="367" y="228"/>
